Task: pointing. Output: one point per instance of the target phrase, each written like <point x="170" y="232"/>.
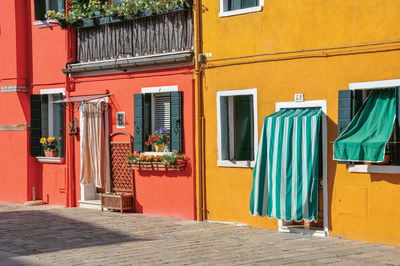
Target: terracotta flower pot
<point x="51" y="153"/>
<point x="159" y="147"/>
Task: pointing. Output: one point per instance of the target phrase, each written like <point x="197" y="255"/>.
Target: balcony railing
<point x="153" y="35"/>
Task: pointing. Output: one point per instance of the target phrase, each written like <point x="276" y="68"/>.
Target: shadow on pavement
<point x="34" y="232"/>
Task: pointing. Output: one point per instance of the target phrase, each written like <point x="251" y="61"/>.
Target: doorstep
<point x="90" y="204"/>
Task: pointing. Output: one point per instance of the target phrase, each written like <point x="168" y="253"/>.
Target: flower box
<point x="146" y="166"/>
<point x="159" y="166"/>
<point x="178" y="166"/>
<point x="135" y="166"/>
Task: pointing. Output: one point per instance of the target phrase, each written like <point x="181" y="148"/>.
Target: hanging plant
<point x="80" y="10"/>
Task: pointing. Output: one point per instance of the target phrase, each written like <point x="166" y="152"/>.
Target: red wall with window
<point x="162" y="193"/>
<point x="32" y="58"/>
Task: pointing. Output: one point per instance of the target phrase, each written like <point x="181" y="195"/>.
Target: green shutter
<point x="138" y="116"/>
<point x="176" y="129"/>
<point x="45" y="115"/>
<point x="36" y="125"/>
<point x="40" y="9"/>
<point x="350" y="101"/>
<point x="398" y="104"/>
<point x="345" y="111"/>
<point x="58" y="122"/>
<point x="147" y="119"/>
<point x="142" y="120"/>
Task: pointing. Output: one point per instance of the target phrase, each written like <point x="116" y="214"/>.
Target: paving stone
<point x="50" y="235"/>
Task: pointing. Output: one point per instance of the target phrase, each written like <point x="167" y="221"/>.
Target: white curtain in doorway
<point x="94" y="144"/>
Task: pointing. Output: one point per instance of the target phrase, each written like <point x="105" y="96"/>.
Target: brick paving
<point x="49" y="235"/>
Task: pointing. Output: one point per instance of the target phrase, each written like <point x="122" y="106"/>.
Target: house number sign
<point x="299" y="97"/>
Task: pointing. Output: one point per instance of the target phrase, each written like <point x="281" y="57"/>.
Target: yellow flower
<point x="50" y="139"/>
<point x="42" y="140"/>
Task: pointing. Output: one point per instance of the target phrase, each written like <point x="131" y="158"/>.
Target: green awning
<point x="365" y="138"/>
<point x="285" y="177"/>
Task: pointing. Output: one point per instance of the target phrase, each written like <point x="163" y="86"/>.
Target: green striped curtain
<point x="285" y="177"/>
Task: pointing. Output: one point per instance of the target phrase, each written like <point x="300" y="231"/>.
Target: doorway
<point x="319" y="228"/>
<point x="94" y="149"/>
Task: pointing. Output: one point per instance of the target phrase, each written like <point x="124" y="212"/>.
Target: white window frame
<point x="223" y="9"/>
<point x="50" y="106"/>
<point x="228" y="163"/>
<point x="374" y="85"/>
<point x="152" y="90"/>
<point x="282" y="225"/>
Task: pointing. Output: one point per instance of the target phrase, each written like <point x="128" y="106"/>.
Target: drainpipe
<point x="199" y="116"/>
<point x="69" y="153"/>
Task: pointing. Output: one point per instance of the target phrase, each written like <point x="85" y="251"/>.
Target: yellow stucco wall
<point x="361" y="206"/>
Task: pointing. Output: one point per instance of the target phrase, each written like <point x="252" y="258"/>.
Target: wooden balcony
<point x="152" y="40"/>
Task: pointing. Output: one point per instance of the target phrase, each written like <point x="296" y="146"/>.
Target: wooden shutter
<point x="142" y="120"/>
<point x="36" y="125"/>
<point x="176" y="131"/>
<point x="345" y="109"/>
<point x="40" y="9"/>
<point x="58" y="122"/>
<point x="147" y="118"/>
<point x="350" y="101"/>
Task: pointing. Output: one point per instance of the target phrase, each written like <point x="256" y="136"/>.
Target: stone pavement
<point x="48" y="235"/>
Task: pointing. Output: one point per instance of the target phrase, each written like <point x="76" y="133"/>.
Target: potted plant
<point x="59" y="16"/>
<point x="175" y="161"/>
<point x="50" y="146"/>
<point x="146" y="162"/>
<point x="159" y="139"/>
<point x="134" y="160"/>
<point x="159" y="164"/>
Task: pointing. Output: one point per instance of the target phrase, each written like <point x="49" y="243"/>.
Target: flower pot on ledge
<point x="50" y="153"/>
<point x="159" y="147"/>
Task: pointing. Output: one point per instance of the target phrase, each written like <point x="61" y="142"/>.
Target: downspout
<point x="69" y="153"/>
<point x="199" y="117"/>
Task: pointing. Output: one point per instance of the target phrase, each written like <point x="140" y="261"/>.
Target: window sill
<point x="243" y="164"/>
<point x="50" y="159"/>
<point x="240" y="11"/>
<point x="154" y="153"/>
<point x="45" y="23"/>
<point x="384" y="169"/>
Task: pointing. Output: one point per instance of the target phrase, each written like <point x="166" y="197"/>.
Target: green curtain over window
<point x="365" y="138"/>
<point x="285" y="177"/>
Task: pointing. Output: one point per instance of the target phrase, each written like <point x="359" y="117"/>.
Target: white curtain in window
<point x="94" y="144"/>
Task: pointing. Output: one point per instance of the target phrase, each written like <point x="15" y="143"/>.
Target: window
<point x="47" y="120"/>
<point x="353" y="101"/>
<point x="42" y="6"/>
<point x="237" y="127"/>
<point x="236" y="7"/>
<point x="154" y="110"/>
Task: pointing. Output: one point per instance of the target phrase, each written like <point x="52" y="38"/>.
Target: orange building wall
<point x="266" y="50"/>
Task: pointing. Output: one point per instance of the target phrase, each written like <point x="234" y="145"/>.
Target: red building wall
<point x="162" y="193"/>
<point x="33" y="57"/>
